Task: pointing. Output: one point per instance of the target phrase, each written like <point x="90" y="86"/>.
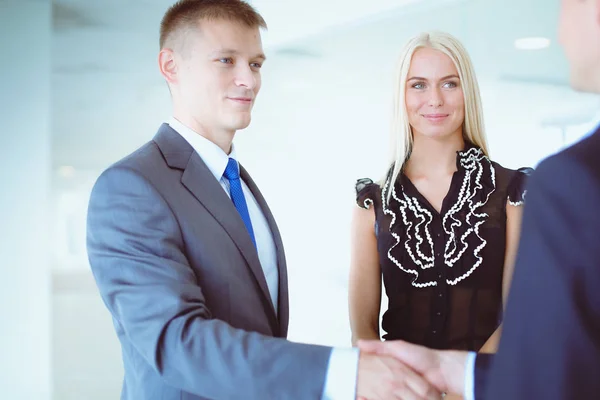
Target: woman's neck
<point x="433" y="156"/>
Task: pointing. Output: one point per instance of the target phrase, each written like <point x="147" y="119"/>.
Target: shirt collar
<point x="213" y="156"/>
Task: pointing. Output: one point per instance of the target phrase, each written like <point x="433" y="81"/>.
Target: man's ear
<point x="168" y="65"/>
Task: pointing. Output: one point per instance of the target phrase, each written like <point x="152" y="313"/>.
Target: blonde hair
<point x="401" y="132"/>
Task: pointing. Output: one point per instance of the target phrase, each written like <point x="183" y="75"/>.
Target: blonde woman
<point x="442" y="226"/>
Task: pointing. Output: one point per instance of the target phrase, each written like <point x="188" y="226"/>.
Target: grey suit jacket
<point x="180" y="275"/>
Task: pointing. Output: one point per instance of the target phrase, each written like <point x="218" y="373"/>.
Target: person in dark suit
<point x="186" y="253"/>
<point x="550" y="346"/>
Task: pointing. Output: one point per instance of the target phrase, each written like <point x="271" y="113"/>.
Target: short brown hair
<point x="186" y="14"/>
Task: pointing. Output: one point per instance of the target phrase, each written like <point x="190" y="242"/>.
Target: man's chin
<point x="241" y="124"/>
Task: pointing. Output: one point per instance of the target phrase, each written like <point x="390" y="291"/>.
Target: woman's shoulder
<point x="367" y="192"/>
<point x="515" y="182"/>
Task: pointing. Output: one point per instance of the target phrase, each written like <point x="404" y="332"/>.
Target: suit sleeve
<point x="135" y="249"/>
<point x="481" y="366"/>
<point x="550" y="346"/>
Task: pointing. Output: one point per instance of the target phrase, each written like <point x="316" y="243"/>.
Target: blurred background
<point x="81" y="89"/>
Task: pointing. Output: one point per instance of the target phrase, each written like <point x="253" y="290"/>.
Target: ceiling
<point x="108" y="97"/>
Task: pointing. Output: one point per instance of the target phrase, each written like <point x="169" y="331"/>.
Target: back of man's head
<point x="579" y="34"/>
<point x="187" y="15"/>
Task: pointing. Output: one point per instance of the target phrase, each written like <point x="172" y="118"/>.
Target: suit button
<point x="434" y="332"/>
<point x="438" y="313"/>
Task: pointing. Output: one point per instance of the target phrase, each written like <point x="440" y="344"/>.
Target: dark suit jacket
<point x="550" y="346"/>
<point x="181" y="277"/>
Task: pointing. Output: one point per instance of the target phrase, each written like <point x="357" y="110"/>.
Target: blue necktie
<point x="237" y="195"/>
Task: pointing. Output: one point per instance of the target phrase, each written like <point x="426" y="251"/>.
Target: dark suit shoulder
<point x="583" y="156"/>
<point x="570" y="177"/>
<point x="564" y="198"/>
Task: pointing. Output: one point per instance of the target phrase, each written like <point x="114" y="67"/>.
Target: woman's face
<point x="434" y="96"/>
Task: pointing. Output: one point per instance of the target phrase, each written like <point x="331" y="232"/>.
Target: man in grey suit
<point x="186" y="254"/>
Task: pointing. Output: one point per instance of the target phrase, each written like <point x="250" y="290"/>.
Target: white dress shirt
<point x="216" y="160"/>
<point x="340" y="382"/>
<point x="470" y="376"/>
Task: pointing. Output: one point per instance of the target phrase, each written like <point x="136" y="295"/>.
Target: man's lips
<point x="243" y="100"/>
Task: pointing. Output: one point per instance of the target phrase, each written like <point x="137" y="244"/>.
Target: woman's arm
<point x="365" y="277"/>
<point x="513" y="230"/>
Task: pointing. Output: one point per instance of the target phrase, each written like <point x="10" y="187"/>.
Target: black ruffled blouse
<point x="443" y="271"/>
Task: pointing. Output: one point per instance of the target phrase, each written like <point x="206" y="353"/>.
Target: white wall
<point x="24" y="182"/>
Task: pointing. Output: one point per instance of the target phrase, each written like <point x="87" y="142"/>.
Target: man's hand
<point x="445" y="370"/>
<point x="383" y="377"/>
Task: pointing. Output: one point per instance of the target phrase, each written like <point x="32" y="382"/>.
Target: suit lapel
<point x="283" y="296"/>
<point x="198" y="179"/>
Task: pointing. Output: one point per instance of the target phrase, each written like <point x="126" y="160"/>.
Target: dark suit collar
<point x="200" y="181"/>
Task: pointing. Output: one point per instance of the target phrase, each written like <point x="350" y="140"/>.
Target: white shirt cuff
<point x="340" y="382"/>
<point x="470" y="376"/>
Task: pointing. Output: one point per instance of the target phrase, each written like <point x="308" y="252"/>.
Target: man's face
<point x="579" y="34"/>
<point x="218" y="75"/>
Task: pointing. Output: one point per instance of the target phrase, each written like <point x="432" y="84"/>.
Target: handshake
<point x="400" y="370"/>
